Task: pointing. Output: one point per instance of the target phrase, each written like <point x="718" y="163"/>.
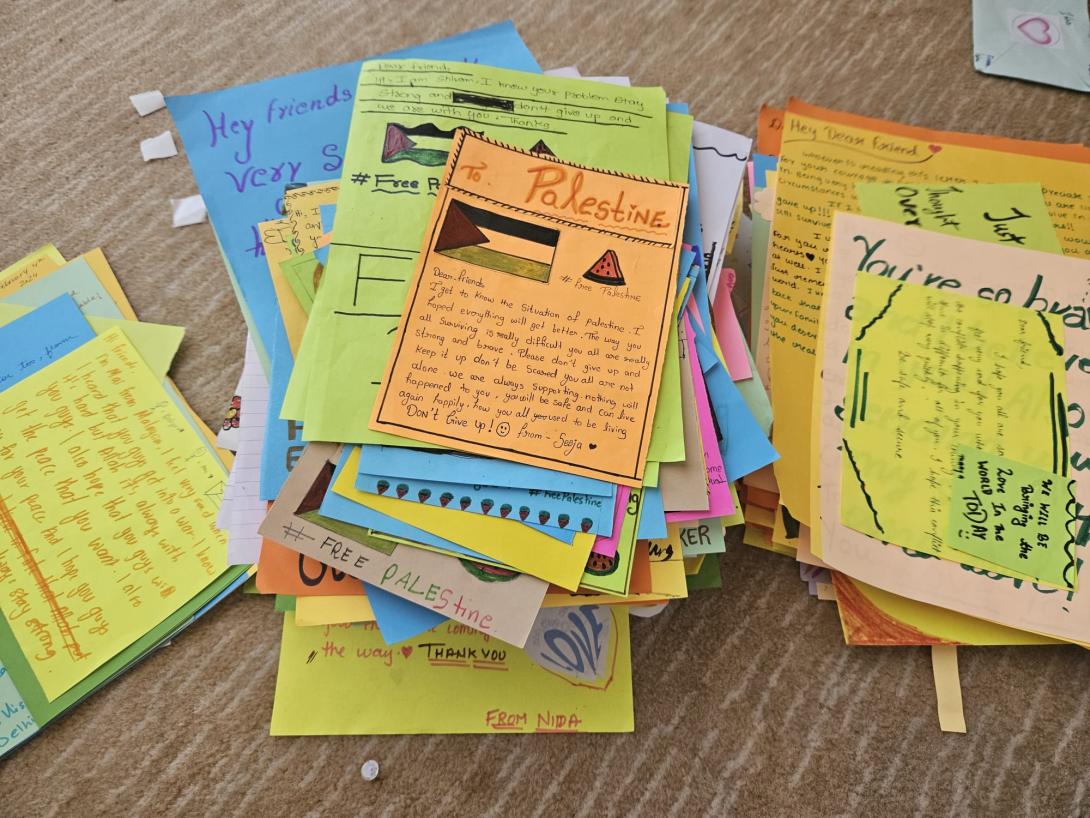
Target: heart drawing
<point x="407" y="651"/>
<point x="1038" y="30"/>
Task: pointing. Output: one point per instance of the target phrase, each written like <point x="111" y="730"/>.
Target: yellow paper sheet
<point x="575" y="675"/>
<point x="523" y="336"/>
<point x="822" y="160"/>
<point x="667" y="571"/>
<point x="332" y="610"/>
<point x="510" y="542"/>
<point x="303" y="215"/>
<point x="944" y="666"/>
<point x="109" y="509"/>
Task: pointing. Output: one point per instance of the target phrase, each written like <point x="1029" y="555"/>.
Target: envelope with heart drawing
<point x="1043" y="41"/>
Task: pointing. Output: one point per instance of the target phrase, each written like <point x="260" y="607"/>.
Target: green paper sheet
<point x="1012" y="214"/>
<point x="401" y="129"/>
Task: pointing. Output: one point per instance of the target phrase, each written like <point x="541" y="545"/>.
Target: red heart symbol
<point x="407" y="651"/>
<point x="1037" y="30"/>
<point x="934" y="148"/>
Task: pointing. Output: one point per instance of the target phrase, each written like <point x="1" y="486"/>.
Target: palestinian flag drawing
<point x="426" y="144"/>
<point x="498" y="242"/>
<point x="541" y="149"/>
<point x="606" y="270"/>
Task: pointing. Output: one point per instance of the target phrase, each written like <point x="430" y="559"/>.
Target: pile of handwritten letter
<point x="923" y="300"/>
<point x="496" y="397"/>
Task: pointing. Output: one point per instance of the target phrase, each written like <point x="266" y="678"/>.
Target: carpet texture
<point x="747" y="700"/>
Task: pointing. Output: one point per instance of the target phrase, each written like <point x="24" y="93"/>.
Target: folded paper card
<point x="573" y="676"/>
<point x="537" y="319"/>
<point x="1042" y="41"/>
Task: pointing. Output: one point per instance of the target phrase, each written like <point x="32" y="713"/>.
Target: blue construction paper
<point x="762" y="164"/>
<point x="283" y="444"/>
<point x="326" y="212"/>
<point x="349" y="511"/>
<point x="455" y="467"/>
<point x="246" y="143"/>
<point x="652" y="523"/>
<point x="522" y="504"/>
<point x="685" y="265"/>
<point x="744" y="447"/>
<point x="40" y="337"/>
<point x="77" y="279"/>
<point x="399" y="619"/>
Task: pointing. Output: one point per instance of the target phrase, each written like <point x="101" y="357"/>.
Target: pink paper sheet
<point x="607" y="546"/>
<point x="720" y="502"/>
<point x="731" y="340"/>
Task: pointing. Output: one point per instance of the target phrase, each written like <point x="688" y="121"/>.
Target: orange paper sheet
<point x="537" y="319"/>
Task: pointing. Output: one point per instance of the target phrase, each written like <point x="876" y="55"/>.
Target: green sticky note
<point x="303" y="274"/>
<point x="1015" y="515"/>
<point x="405" y="116"/>
<point x="1010" y="214"/>
<point x="707" y="577"/>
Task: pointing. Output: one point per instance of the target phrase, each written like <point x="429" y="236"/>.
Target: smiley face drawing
<point x="503" y="429"/>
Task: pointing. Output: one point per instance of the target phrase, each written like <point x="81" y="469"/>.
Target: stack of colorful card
<point x="109" y="489"/>
<point x="923" y="296"/>
<point x="496" y="393"/>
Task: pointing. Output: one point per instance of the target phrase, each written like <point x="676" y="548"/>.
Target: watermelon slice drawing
<point x="606" y="270"/>
<point x="423" y="495"/>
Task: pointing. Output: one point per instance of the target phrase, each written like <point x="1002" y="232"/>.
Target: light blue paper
<point x="744" y="447"/>
<point x="652" y="523"/>
<point x="16" y="723"/>
<point x="762" y="164"/>
<point x="548" y="511"/>
<point x="283" y="444"/>
<point x="77" y="279"/>
<point x="1037" y="40"/>
<point x="348" y="511"/>
<point x="40" y="337"/>
<point x="246" y="143"/>
<point x="454" y="467"/>
<point x="399" y="619"/>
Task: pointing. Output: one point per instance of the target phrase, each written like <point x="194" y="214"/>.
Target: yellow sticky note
<point x="30" y="268"/>
<point x="302" y="212"/>
<point x="574" y="676"/>
<point x="825" y="154"/>
<point x="927" y="372"/>
<point x="509" y="541"/>
<point x="667" y="570"/>
<point x="332" y="610"/>
<point x="536" y="323"/>
<point x="107" y="518"/>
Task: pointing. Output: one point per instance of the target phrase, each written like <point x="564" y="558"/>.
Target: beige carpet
<point x="747" y="700"/>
